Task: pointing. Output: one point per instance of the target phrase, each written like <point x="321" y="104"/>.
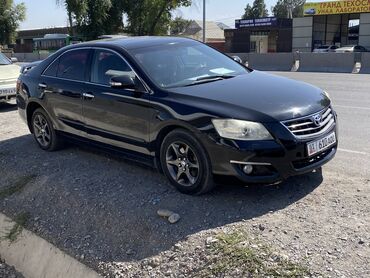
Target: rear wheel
<point x="185" y="163"/>
<point x="43" y="131"/>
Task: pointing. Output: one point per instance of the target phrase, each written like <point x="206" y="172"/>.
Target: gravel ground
<point x="103" y="211"/>
<point x="8" y="271"/>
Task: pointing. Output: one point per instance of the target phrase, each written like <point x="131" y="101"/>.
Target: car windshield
<point x="323" y="47"/>
<point x="185" y="64"/>
<point x="4" y="60"/>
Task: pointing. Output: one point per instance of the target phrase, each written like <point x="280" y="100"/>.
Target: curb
<point x="34" y="257"/>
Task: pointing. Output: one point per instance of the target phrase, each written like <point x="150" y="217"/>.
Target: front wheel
<point x="185" y="163"/>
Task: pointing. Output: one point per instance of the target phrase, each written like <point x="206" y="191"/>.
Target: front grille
<point x="311" y="126"/>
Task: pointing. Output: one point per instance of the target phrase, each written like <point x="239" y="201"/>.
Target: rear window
<point x="72" y="65"/>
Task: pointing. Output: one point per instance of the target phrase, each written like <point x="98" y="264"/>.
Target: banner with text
<point x="337" y="7"/>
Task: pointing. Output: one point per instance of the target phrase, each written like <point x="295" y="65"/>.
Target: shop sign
<point x="336" y="7"/>
<point x="255" y="22"/>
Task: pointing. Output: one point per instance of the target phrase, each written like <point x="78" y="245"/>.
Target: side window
<point x="106" y="65"/>
<point x="52" y="69"/>
<point x="72" y="65"/>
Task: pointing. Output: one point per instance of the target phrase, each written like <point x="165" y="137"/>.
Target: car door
<point x="115" y="116"/>
<point x="62" y="84"/>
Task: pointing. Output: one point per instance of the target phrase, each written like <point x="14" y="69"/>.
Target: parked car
<point x="311" y="11"/>
<point x="181" y="105"/>
<point x="325" y="48"/>
<point x="9" y="73"/>
<point x="28" y="66"/>
<point x="351" y="49"/>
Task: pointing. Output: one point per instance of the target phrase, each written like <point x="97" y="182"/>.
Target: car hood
<point x="9" y="72"/>
<point x="276" y="98"/>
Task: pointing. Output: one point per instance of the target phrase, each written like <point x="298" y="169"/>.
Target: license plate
<point x="8" y="91"/>
<point x="321" y="144"/>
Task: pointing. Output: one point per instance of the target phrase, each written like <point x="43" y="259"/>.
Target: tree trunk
<point x="157" y="18"/>
<point x="71" y="29"/>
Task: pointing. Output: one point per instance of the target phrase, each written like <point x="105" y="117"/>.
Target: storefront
<point x="260" y="35"/>
<point x="340" y="23"/>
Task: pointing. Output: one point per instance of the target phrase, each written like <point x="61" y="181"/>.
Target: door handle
<point x="42" y="86"/>
<point x="88" y="96"/>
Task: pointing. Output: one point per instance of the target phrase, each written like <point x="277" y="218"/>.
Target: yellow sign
<point x="337" y="7"/>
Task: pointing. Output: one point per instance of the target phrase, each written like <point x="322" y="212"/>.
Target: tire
<point x="185" y="163"/>
<point x="44" y="132"/>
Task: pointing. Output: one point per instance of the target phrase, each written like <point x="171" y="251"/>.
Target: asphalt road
<point x="350" y="94"/>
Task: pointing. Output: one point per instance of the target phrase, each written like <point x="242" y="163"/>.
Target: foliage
<point x="76" y="10"/>
<point x="258" y="9"/>
<point x="237" y="251"/>
<point x="10" y="17"/>
<point x="19" y="222"/>
<point x="288" y="8"/>
<point x="179" y="25"/>
<point x="151" y="17"/>
<point x="145" y="17"/>
<point x="87" y="16"/>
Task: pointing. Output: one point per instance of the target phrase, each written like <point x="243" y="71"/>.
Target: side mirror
<point x="123" y="82"/>
<point x="237" y="59"/>
<point x="14" y="59"/>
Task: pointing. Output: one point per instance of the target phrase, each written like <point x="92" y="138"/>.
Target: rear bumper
<point x="272" y="161"/>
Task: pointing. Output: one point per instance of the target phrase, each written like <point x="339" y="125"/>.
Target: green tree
<point x="258" y="9"/>
<point x="88" y="17"/>
<point x="114" y="21"/>
<point x="145" y="17"/>
<point x="151" y="17"/>
<point x="76" y="10"/>
<point x="95" y="21"/>
<point x="288" y="8"/>
<point x="10" y="17"/>
<point x="179" y="25"/>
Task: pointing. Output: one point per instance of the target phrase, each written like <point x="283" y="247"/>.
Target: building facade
<point x="260" y="35"/>
<point x="345" y="22"/>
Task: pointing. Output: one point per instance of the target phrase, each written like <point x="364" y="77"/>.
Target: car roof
<point x="347" y="47"/>
<point x="135" y="42"/>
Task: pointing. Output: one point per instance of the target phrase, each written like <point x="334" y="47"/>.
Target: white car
<point x="325" y="48"/>
<point x="9" y="73"/>
<point x="351" y="49"/>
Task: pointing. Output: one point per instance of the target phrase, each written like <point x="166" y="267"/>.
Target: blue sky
<point x="45" y="13"/>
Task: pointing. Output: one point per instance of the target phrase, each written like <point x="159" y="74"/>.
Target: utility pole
<point x="204" y="21"/>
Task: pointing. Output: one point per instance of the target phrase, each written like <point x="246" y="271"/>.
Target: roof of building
<point x="213" y="29"/>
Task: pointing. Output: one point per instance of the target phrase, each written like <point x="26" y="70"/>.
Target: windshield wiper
<point x="210" y="78"/>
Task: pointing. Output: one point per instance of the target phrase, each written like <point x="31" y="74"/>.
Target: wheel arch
<point x="167" y="129"/>
<point x="31" y="108"/>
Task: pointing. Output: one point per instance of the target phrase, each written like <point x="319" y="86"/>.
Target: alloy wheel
<point x="182" y="163"/>
<point x="42" y="130"/>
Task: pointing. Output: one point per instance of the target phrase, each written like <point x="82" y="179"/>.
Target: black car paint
<point x="138" y="121"/>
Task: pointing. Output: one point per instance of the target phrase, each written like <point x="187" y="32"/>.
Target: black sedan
<point x="190" y="110"/>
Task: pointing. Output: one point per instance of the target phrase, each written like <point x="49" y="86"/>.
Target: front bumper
<point x="272" y="161"/>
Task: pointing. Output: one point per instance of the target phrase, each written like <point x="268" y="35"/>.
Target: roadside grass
<point x="236" y="255"/>
<point x="17" y="186"/>
<point x="20" y="221"/>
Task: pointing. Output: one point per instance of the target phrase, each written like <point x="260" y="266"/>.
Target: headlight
<point x="241" y="130"/>
<point x="327" y="94"/>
